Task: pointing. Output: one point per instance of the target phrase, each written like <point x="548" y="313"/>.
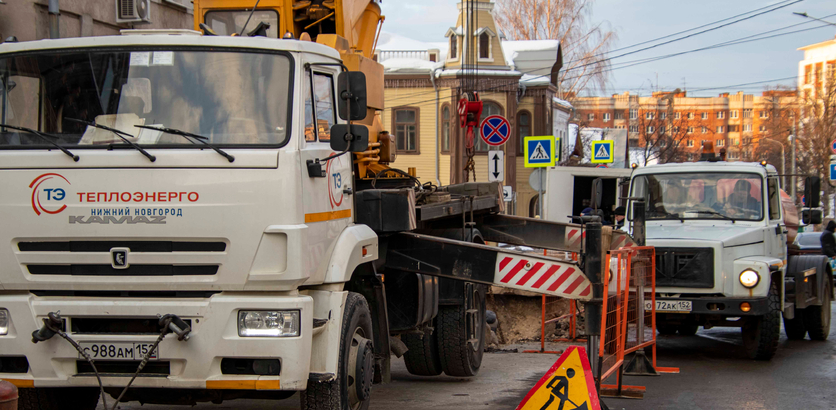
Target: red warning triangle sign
<point x="568" y="385"/>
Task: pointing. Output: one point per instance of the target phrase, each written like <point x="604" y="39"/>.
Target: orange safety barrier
<point x="611" y="346"/>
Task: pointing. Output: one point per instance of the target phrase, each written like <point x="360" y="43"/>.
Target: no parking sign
<point x="495" y="130"/>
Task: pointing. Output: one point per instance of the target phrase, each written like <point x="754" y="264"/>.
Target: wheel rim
<point x="360" y="369"/>
<point x="475" y="319"/>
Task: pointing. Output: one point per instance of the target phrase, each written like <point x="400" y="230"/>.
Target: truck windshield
<point x="238" y="98"/>
<point x="736" y="196"/>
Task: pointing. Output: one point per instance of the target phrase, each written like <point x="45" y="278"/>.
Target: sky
<point x="636" y="21"/>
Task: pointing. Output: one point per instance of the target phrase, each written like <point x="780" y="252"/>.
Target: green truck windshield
<point x="232" y="98"/>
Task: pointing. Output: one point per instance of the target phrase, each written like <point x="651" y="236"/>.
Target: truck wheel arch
<point x="348" y="253"/>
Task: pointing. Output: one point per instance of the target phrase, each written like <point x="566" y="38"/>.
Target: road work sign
<point x="496" y="166"/>
<point x="568" y="385"/>
<point x="539" y="151"/>
<point x="602" y="152"/>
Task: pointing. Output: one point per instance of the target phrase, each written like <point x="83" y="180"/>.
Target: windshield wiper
<point x="118" y="133"/>
<point x="188" y="135"/>
<point x="46" y="137"/>
<point x="724" y="216"/>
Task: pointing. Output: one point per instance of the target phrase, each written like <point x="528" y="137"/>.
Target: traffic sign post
<point x="496" y="166"/>
<point x="602" y="152"/>
<point x="495" y="130"/>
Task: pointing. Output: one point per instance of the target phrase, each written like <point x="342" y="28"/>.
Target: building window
<point x="762" y="128"/>
<point x="704" y="129"/>
<point x="735" y="141"/>
<point x="663" y="143"/>
<point x="523" y="129"/>
<point x="808" y="72"/>
<point x="676" y="129"/>
<point x="619" y="115"/>
<point x="651" y="129"/>
<point x="720" y="129"/>
<point x="663" y="115"/>
<point x="446" y="129"/>
<point x="747" y="113"/>
<point x="690" y="130"/>
<point x="720" y="143"/>
<point x="454" y="48"/>
<point x="690" y="143"/>
<point x="484" y="46"/>
<point x="634" y="128"/>
<point x="747" y="128"/>
<point x="704" y="115"/>
<point x="488" y="109"/>
<point x="648" y="115"/>
<point x="677" y="115"/>
<point x="721" y="115"/>
<point x="606" y="116"/>
<point x="662" y="129"/>
<point x="733" y="155"/>
<point x="634" y="114"/>
<point x="763" y="114"/>
<point x="733" y="114"/>
<point x="690" y="116"/>
<point x="590" y="116"/>
<point x="405" y="124"/>
<point x="734" y="128"/>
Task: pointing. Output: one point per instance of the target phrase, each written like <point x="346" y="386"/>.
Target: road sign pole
<point x="540" y="192"/>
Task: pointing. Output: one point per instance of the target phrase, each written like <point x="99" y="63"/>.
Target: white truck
<point x="721" y="232"/>
<point x="569" y="190"/>
<point x="176" y="206"/>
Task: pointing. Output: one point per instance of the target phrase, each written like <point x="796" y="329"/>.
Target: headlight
<point x="263" y="323"/>
<point x="4" y="322"/>
<point x="749" y="278"/>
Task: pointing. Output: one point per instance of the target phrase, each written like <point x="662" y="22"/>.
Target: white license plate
<point x="669" y="305"/>
<point x="118" y="350"/>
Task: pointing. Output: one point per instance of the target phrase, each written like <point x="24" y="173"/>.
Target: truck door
<point x="775" y="235"/>
<point x="327" y="206"/>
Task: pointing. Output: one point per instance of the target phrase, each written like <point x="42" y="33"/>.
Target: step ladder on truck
<point x="196" y="217"/>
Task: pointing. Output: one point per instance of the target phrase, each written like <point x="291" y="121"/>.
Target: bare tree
<point x="662" y="135"/>
<point x="780" y="110"/>
<point x="818" y="129"/>
<point x="584" y="44"/>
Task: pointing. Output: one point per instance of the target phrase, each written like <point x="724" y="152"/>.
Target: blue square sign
<point x="539" y="151"/>
<point x="602" y="152"/>
<point x="833" y="172"/>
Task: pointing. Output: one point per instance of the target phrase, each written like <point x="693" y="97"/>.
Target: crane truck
<point x="723" y="233"/>
<point x="210" y="214"/>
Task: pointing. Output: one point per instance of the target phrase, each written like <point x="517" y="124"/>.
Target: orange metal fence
<point x="611" y="346"/>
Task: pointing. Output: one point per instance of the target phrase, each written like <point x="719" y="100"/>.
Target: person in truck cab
<point x="741" y="202"/>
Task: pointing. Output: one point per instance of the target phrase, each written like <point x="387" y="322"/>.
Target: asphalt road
<point x="714" y="375"/>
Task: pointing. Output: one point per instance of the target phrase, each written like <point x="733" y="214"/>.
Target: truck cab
<point x="721" y="249"/>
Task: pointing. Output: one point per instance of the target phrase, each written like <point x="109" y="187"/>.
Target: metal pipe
<point x="437" y="113"/>
<point x="793" y="170"/>
<point x="54" y="13"/>
<point x="592" y="264"/>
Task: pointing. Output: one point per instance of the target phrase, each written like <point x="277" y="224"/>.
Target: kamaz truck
<point x="208" y="215"/>
<point x="722" y="232"/>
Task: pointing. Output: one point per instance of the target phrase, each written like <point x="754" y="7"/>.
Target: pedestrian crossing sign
<point x="602" y="152"/>
<point x="568" y="385"/>
<point x="539" y="151"/>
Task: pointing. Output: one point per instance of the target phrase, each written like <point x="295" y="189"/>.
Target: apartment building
<point x="817" y="70"/>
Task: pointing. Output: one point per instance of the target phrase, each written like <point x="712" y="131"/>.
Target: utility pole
<point x="792" y="170"/>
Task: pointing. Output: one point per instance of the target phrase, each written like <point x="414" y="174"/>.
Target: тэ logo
<point x="49" y="192"/>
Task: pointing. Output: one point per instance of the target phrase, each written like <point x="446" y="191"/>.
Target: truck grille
<point x="117" y="326"/>
<point x="133" y="270"/>
<point x="134" y="246"/>
<point x="685" y="267"/>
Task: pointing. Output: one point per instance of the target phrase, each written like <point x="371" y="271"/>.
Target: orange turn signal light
<point x="745" y="307"/>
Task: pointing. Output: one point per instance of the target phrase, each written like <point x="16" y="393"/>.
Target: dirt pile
<point x="519" y="315"/>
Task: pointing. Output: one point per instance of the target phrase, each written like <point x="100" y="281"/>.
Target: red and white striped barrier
<point x="542" y="275"/>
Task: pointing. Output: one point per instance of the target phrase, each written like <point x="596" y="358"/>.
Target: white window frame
<point x="634" y="114"/>
<point x="590" y="116"/>
<point x="648" y="115"/>
<point x="650" y="129"/>
<point x="719" y="129"/>
<point x="606" y="116"/>
<point x="690" y="143"/>
<point x="663" y="115"/>
<point x="690" y="130"/>
<point x="721" y="142"/>
<point x="690" y="116"/>
<point x="704" y="115"/>
<point x="677" y="115"/>
<point x="721" y="115"/>
<point x="704" y="130"/>
<point x="634" y="128"/>
<point x="733" y="114"/>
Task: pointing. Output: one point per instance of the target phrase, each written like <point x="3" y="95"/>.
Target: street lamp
<point x="811" y="17"/>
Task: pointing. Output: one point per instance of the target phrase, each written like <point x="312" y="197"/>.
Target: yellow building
<point x="425" y="80"/>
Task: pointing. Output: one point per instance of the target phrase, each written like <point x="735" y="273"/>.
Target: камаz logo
<point x="48" y="193"/>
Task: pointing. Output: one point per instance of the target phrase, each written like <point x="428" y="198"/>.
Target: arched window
<point x="523" y="129"/>
<point x="484" y="46"/>
<point x="488" y="108"/>
<point x="446" y="129"/>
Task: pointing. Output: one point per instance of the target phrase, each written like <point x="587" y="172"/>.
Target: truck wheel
<point x="351" y="390"/>
<point x="817" y="318"/>
<point x="422" y="358"/>
<point x="58" y="399"/>
<point x="760" y="334"/>
<point x="688" y="330"/>
<point x="461" y="334"/>
<point x="794" y="328"/>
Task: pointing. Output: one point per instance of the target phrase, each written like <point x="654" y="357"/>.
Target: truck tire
<point x="58" y="399"/>
<point x="794" y="328"/>
<point x="688" y="330"/>
<point x="351" y="390"/>
<point x="422" y="358"/>
<point x="761" y="333"/>
<point x="461" y="334"/>
<point x="817" y="318"/>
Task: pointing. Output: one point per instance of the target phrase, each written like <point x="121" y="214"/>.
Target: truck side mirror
<point x="356" y="137"/>
<point x="812" y="192"/>
<point x="811" y="216"/>
<point x="352" y="94"/>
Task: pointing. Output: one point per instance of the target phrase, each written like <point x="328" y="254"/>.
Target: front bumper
<point x="721" y="306"/>
<point x="194" y="364"/>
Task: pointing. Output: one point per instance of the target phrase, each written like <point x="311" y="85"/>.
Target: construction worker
<point x="828" y="241"/>
<point x="619" y="216"/>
